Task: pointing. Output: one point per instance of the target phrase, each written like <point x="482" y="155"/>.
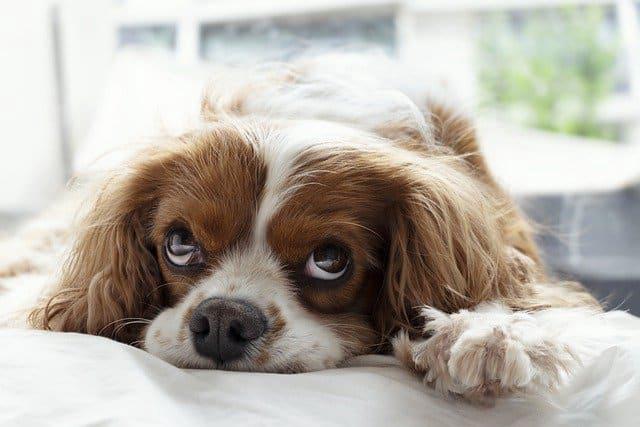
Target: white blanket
<point x="70" y="379"/>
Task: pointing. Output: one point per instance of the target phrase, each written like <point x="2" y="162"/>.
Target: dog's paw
<point x="486" y="353"/>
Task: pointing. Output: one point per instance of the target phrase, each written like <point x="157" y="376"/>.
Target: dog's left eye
<point x="181" y="248"/>
<point x="328" y="262"/>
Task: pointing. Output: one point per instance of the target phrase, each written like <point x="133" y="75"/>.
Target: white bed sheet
<point x="71" y="380"/>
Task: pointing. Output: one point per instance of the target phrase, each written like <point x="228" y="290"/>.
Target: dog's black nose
<point x="221" y="328"/>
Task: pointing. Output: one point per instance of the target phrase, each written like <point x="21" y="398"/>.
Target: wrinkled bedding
<point x="61" y="379"/>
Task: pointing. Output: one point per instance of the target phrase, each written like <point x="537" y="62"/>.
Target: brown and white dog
<point x="317" y="214"/>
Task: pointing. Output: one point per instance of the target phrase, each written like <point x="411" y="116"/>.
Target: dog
<point x="315" y="214"/>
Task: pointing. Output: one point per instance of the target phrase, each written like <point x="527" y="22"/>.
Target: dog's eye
<point x="181" y="248"/>
<point x="328" y="262"/>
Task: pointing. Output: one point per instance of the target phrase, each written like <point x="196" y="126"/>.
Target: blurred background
<point x="554" y="84"/>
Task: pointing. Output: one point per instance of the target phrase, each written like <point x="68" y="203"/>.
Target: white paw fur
<point x="488" y="352"/>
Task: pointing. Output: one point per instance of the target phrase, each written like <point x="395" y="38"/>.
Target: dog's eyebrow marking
<point x="281" y="150"/>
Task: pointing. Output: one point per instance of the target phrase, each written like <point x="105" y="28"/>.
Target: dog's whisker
<point x="124" y="319"/>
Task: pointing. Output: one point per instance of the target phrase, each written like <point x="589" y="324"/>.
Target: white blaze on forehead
<point x="280" y="151"/>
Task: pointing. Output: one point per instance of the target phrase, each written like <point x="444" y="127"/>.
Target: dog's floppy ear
<point x="446" y="246"/>
<point x="111" y="273"/>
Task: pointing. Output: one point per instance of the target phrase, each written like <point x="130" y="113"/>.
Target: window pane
<point x="284" y="38"/>
<point x="553" y="68"/>
<point x="160" y="36"/>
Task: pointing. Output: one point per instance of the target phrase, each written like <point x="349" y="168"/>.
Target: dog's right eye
<point x="181" y="249"/>
<point x="327" y="263"/>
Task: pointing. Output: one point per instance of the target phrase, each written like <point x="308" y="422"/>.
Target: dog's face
<point x="269" y="247"/>
<point x="304" y="222"/>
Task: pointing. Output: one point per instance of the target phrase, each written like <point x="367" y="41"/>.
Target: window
<point x="157" y="36"/>
<point x="281" y="39"/>
<point x="553" y="68"/>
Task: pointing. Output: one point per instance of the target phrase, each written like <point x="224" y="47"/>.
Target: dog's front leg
<point x="488" y="352"/>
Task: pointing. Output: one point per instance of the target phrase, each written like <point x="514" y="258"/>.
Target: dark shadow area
<point x="593" y="238"/>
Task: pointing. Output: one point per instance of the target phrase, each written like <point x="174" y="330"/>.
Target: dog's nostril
<point x="236" y="331"/>
<point x="222" y="328"/>
<point x="199" y="324"/>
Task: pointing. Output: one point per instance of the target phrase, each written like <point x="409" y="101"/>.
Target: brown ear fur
<point x="456" y="238"/>
<point x="111" y="274"/>
<point x="457" y="132"/>
<point x="446" y="245"/>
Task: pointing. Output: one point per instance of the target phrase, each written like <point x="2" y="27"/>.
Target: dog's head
<point x="302" y="223"/>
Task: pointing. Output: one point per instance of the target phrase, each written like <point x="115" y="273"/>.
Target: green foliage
<point x="549" y="68"/>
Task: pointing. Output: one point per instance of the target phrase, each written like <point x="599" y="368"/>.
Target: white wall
<point x="88" y="41"/>
<point x="31" y="171"/>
